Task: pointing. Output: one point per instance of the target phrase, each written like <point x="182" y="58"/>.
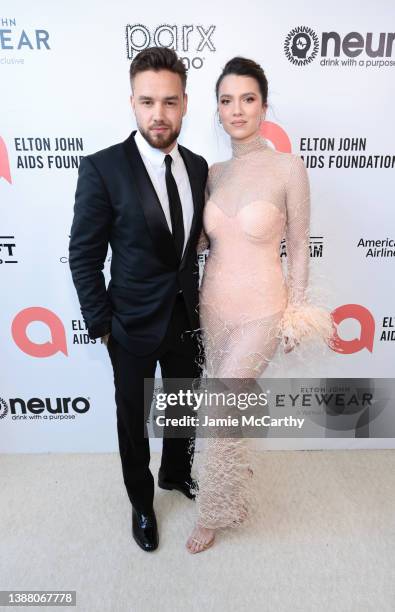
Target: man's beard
<point x="158" y="140"/>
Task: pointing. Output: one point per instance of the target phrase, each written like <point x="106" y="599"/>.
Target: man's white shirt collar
<point x="155" y="156"/>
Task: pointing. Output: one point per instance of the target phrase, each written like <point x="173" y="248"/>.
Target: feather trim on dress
<point x="306" y="321"/>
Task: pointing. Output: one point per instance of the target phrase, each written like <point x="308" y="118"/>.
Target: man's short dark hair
<point x="158" y="58"/>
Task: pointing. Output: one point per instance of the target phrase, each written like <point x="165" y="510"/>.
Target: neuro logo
<point x="301" y="45"/>
<point x="277" y="136"/>
<point x="366" y="321"/>
<point x="3" y="408"/>
<point x="4" y="162"/>
<point x="373" y="49"/>
<point x="58" y="335"/>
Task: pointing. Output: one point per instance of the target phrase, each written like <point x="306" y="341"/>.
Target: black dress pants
<point x="178" y="356"/>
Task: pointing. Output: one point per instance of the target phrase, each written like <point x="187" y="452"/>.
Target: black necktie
<point x="177" y="220"/>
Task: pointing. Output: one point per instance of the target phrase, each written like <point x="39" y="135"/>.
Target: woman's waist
<point x="263" y="284"/>
<point x="242" y="269"/>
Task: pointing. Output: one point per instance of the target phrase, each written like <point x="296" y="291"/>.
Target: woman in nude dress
<point x="247" y="307"/>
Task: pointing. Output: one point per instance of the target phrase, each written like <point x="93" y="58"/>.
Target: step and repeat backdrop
<point x="65" y="93"/>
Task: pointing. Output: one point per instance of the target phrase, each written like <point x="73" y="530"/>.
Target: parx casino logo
<point x="193" y="40"/>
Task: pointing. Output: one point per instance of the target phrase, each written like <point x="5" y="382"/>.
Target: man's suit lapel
<point x="153" y="211"/>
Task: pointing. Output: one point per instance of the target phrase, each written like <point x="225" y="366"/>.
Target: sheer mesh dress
<point x="247" y="305"/>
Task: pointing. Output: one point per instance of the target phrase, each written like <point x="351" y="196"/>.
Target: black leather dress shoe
<point x="145" y="530"/>
<point x="188" y="487"/>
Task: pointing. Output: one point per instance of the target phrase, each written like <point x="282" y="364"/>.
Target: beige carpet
<point x="324" y="539"/>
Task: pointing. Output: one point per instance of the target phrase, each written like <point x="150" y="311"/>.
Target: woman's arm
<point x="203" y="242"/>
<point x="301" y="319"/>
<point x="298" y="231"/>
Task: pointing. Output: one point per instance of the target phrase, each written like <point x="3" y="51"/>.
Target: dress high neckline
<point x="241" y="149"/>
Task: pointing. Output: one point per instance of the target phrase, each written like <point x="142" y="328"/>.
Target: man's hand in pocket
<point x="105" y="338"/>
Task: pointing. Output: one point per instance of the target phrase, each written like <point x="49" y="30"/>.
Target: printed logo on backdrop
<point x="349" y="314"/>
<point x="301" y="45"/>
<point x="7" y="250"/>
<point x="276" y="135"/>
<point x="44" y="409"/>
<point x="5" y="171"/>
<point x="19" y="331"/>
<point x="319" y="150"/>
<point x="342" y="152"/>
<point x="55" y="329"/>
<point x="388" y="329"/>
<point x="366" y="321"/>
<point x="373" y="49"/>
<point x="316" y="247"/>
<point x="384" y="248"/>
<point x="18" y="42"/>
<point x="78" y="329"/>
<point x="367" y="327"/>
<point x="36" y="153"/>
<point x="3" y="408"/>
<point x="195" y="41"/>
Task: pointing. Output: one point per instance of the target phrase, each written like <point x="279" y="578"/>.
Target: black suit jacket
<point x="116" y="204"/>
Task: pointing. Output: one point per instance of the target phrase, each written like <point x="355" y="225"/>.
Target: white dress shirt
<point x="154" y="161"/>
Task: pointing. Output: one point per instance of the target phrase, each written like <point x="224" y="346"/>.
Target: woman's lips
<point x="238" y="123"/>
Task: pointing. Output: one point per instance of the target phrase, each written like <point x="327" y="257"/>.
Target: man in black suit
<point x="145" y="198"/>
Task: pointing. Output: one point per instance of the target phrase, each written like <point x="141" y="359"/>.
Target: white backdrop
<point x="64" y="75"/>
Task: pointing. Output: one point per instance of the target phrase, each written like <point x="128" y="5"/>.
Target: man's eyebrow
<point x="175" y="97"/>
